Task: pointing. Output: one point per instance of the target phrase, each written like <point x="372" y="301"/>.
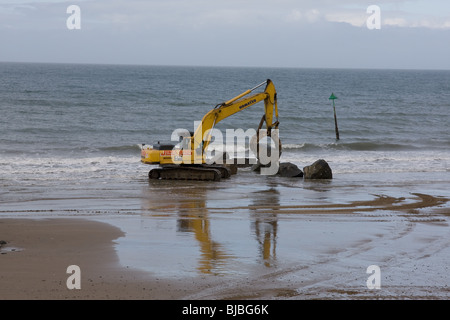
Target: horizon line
<point x="221" y="66"/>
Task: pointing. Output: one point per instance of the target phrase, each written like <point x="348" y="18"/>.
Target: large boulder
<point x="287" y="169"/>
<point x="318" y="170"/>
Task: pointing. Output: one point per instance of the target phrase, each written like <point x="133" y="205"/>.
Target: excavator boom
<point x="239" y="103"/>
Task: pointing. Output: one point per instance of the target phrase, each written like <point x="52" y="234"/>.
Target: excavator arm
<point x="226" y="109"/>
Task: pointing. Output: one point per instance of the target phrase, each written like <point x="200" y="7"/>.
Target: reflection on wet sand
<point x="193" y="217"/>
<point x="288" y="234"/>
<point x="265" y="225"/>
<point x="189" y="203"/>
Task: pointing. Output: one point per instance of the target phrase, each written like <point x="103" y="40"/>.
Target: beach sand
<point x="307" y="251"/>
<point x="35" y="259"/>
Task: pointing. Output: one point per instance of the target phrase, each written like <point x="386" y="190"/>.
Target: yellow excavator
<point x="187" y="160"/>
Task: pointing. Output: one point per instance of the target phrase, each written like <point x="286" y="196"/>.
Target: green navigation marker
<point x="333" y="97"/>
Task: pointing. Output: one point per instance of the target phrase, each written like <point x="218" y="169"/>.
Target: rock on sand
<point x="287" y="169"/>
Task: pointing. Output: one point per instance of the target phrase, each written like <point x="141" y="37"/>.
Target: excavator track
<point x="205" y="173"/>
<point x="225" y="172"/>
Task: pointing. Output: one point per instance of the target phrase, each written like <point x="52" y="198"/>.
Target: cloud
<point x="320" y="33"/>
<point x="295" y="15"/>
<point x="431" y="24"/>
<point x="356" y="19"/>
<point x="313" y="15"/>
<point x="398" y="22"/>
<point x="203" y="14"/>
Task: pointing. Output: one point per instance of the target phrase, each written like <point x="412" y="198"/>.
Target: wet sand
<point x="38" y="252"/>
<point x="191" y="246"/>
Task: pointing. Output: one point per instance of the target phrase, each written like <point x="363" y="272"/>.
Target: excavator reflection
<point x="188" y="203"/>
<point x="265" y="226"/>
<point x="192" y="217"/>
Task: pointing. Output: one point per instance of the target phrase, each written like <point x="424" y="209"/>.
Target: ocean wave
<point x="131" y="148"/>
<point x="351" y="146"/>
<point x="389" y="161"/>
<point x="29" y="170"/>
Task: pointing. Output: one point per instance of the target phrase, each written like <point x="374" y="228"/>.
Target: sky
<point x="402" y="34"/>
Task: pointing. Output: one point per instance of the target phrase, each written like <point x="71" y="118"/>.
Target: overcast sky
<point x="413" y="34"/>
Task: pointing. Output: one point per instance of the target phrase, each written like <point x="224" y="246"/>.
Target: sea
<point x="66" y="124"/>
<point x="70" y="139"/>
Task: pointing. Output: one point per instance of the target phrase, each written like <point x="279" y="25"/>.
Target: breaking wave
<point x="351" y="146"/>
